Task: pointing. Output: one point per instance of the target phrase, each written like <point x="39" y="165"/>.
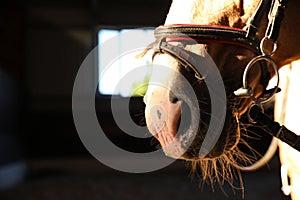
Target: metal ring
<point x="263" y="50"/>
<point x="247" y="70"/>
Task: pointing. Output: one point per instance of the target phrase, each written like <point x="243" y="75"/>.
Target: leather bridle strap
<point x="184" y="57"/>
<point x="207" y="34"/>
<point x="273" y="128"/>
<point x="275" y="17"/>
<point x="255" y="20"/>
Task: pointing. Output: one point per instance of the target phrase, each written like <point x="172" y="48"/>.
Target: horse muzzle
<point x="178" y="114"/>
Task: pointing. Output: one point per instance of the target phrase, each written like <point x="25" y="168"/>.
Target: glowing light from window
<point x="121" y="65"/>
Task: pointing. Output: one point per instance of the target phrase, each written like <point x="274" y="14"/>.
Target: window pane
<point x="120" y="72"/>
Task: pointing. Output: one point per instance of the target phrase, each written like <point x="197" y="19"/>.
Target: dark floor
<point x="83" y="178"/>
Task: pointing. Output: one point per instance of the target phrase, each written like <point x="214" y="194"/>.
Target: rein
<point x="202" y="34"/>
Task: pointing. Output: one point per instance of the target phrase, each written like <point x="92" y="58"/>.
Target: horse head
<point x="168" y="102"/>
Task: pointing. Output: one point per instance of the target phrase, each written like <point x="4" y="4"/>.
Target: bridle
<point x="247" y="38"/>
<point x="165" y="35"/>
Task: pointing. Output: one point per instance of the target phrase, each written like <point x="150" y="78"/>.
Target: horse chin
<point x="221" y="161"/>
<point x="226" y="143"/>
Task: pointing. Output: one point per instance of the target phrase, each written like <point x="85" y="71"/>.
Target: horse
<point x="166" y="105"/>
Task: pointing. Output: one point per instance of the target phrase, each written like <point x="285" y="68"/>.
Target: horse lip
<point x="175" y="146"/>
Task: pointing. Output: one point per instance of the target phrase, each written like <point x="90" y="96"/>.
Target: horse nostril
<point x="172" y="97"/>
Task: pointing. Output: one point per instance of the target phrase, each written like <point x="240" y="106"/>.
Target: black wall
<point x="43" y="44"/>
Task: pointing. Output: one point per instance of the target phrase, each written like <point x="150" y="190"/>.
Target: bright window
<point x="120" y="72"/>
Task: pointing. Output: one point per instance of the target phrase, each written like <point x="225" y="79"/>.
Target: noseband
<point x="202" y="34"/>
